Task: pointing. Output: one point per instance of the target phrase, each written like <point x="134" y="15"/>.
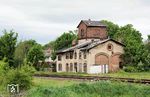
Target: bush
<point x="21" y="76"/>
<point x="15" y="76"/>
<point x="129" y="69"/>
<point x="28" y="69"/>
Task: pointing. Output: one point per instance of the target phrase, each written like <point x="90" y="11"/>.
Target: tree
<point x="22" y="50"/>
<point x="35" y="55"/>
<point x="64" y="41"/>
<point x="49" y="45"/>
<point x="132" y="40"/>
<point x="112" y="28"/>
<point x="8" y="42"/>
<point x="147" y="45"/>
<point x="147" y="53"/>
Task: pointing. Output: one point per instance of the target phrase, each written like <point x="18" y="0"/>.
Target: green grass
<point x="58" y="88"/>
<point x="137" y="75"/>
<point x="46" y="82"/>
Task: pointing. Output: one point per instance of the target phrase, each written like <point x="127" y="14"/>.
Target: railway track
<point x="95" y="78"/>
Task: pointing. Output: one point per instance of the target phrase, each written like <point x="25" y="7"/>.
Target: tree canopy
<point x="35" y="55"/>
<point x="7" y="46"/>
<point x="22" y="50"/>
<point x="134" y="50"/>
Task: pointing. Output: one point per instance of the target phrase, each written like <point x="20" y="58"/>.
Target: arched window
<point x="85" y="67"/>
<point x="75" y="55"/>
<point x="71" y="67"/>
<point x="80" y="55"/>
<point x="84" y="55"/>
<point x="60" y="67"/>
<point x="80" y="67"/>
<point x="67" y="67"/>
<point x="67" y="55"/>
<point x="82" y="33"/>
<point x="59" y="57"/>
<point x="71" y="55"/>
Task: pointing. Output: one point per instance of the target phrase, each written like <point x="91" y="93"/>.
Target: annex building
<point x="94" y="51"/>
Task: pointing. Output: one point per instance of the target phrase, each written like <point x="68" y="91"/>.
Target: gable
<point x="103" y="47"/>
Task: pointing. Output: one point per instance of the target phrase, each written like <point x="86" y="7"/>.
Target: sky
<point x="45" y="20"/>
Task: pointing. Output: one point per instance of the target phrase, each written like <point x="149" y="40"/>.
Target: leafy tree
<point x="112" y="28"/>
<point x="147" y="54"/>
<point x="147" y="45"/>
<point x="22" y="50"/>
<point x="8" y="42"/>
<point x="49" y="45"/>
<point x="132" y="39"/>
<point x="35" y="55"/>
<point x="64" y="41"/>
<point x="135" y="53"/>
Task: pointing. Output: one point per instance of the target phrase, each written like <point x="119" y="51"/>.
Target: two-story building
<point x="94" y="51"/>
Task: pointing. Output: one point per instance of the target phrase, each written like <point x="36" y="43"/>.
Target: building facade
<point x="94" y="51"/>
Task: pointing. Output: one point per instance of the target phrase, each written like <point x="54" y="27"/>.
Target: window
<point x="59" y="57"/>
<point x="60" y="67"/>
<point x="67" y="67"/>
<point x="84" y="55"/>
<point x="82" y="33"/>
<point x="80" y="55"/>
<point x="75" y="55"/>
<point x="71" y="55"/>
<point x="71" y="67"/>
<point x="75" y="67"/>
<point x="80" y="67"/>
<point x="110" y="47"/>
<point x="85" y="67"/>
<point x="67" y="55"/>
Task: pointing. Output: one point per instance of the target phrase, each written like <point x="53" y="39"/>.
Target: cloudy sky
<point x="45" y="20"/>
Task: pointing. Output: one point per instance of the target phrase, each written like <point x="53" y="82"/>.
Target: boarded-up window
<point x="67" y="67"/>
<point x="60" y="67"/>
<point x="85" y="67"/>
<point x="71" y="67"/>
<point x="80" y="67"/>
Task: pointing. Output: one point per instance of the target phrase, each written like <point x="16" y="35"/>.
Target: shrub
<point x="28" y="69"/>
<point x="129" y="69"/>
<point x="140" y="66"/>
<point x="15" y="76"/>
<point x="21" y="76"/>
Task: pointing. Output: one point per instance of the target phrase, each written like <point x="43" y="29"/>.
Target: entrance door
<point x="103" y="61"/>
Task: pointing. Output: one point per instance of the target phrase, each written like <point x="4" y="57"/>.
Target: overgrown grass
<point x="46" y="82"/>
<point x="137" y="75"/>
<point x="97" y="89"/>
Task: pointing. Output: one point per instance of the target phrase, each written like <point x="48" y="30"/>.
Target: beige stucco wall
<point x="117" y="49"/>
<point x="90" y="60"/>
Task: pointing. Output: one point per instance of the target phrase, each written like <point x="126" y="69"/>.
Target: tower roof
<point x="92" y="23"/>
